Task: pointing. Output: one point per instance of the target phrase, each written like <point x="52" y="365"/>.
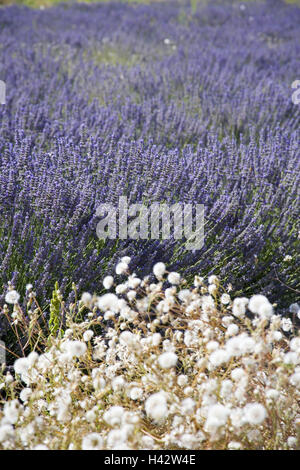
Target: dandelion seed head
<point x="6" y="432"/>
<point x="86" y="298"/>
<point x="114" y="415"/>
<point x="286" y="324"/>
<point x="255" y="413"/>
<point x="109" y="302"/>
<point x="12" y="297"/>
<point x="167" y="360"/>
<point x="108" y="282"/>
<point x="74" y="348"/>
<point x="87" y="335"/>
<point x="217" y="416"/>
<point x="25" y="394"/>
<point x="260" y="305"/>
<point x="159" y="270"/>
<point x="174" y="278"/>
<point x="118" y="383"/>
<point x="239" y="306"/>
<point x="121" y="268"/>
<point x="225" y="299"/>
<point x="136" y="393"/>
<point x="232" y="330"/>
<point x="92" y="441"/>
<point x="188" y="405"/>
<point x="156" y="407"/>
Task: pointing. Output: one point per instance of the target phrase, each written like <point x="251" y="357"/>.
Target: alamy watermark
<point x="296" y="94"/>
<point x="2" y="92"/>
<point x="156" y="221"/>
<point x="2" y="353"/>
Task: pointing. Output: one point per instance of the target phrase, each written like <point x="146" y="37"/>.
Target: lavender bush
<point x="158" y="103"/>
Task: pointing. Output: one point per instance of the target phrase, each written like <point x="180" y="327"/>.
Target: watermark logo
<point x="154" y="222"/>
<point x="296" y="94"/>
<point x="2" y="353"/>
<point x="2" y="92"/>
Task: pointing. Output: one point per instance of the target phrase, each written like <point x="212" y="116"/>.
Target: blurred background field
<point x="48" y="3"/>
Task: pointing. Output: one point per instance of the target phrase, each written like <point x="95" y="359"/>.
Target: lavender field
<point x="172" y="102"/>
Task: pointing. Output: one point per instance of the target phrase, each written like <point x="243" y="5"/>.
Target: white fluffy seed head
<point x="114" y="415"/>
<point x="217" y="417"/>
<point x="92" y="441"/>
<point x="12" y="297"/>
<point x="286" y="324"/>
<point x="212" y="345"/>
<point x="131" y="340"/>
<point x="74" y="348"/>
<point x="277" y="335"/>
<point x="212" y="279"/>
<point x="255" y="413"/>
<point x="234" y="445"/>
<point x="198" y="281"/>
<point x="108" y="282"/>
<point x="117" y="438"/>
<point x="237" y="374"/>
<point x="131" y="295"/>
<point x="118" y="384"/>
<point x="291" y="441"/>
<point x="295" y="379"/>
<point x="295" y="344"/>
<point x="260" y="305"/>
<point x="159" y="270"/>
<point x="219" y="357"/>
<point x="136" y="393"/>
<point x="239" y="306"/>
<point x="21" y="365"/>
<point x="182" y="380"/>
<point x="156" y="339"/>
<point x="86" y="298"/>
<point x="108" y="302"/>
<point x="121" y="268"/>
<point x="156" y="407"/>
<point x="174" y="278"/>
<point x="188" y="405"/>
<point x="212" y="289"/>
<point x="25" y="394"/>
<point x="167" y="360"/>
<point x="121" y="288"/>
<point x="87" y="335"/>
<point x="225" y="299"/>
<point x="134" y="282"/>
<point x="232" y="329"/>
<point x="185" y="295"/>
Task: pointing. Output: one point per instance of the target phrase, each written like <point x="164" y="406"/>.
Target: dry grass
<point x="153" y="369"/>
